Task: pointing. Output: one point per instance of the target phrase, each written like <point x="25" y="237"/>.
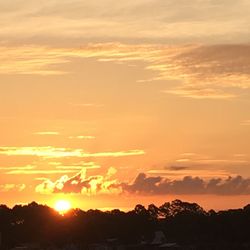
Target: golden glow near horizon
<point x="108" y="113"/>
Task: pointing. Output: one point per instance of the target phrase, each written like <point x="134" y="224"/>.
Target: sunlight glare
<point x="62" y="206"/>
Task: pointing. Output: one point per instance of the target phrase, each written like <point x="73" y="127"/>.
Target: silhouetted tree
<point x="182" y="222"/>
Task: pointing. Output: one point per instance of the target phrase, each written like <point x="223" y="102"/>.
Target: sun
<point x="62" y="206"/>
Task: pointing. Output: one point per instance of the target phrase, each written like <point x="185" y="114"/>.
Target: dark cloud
<point x="148" y="185"/>
<point x="216" y="60"/>
<point x="176" y="168"/>
<point x="142" y="184"/>
<point x="212" y="71"/>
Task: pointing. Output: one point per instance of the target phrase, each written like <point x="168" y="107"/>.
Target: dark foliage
<point x="182" y="222"/>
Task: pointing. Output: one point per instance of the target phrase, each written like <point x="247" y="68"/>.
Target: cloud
<point x="84" y="165"/>
<point x="39" y="171"/>
<point x="12" y="187"/>
<point x="212" y="70"/>
<point x="28" y="167"/>
<point x="147" y="185"/>
<point x="52" y="168"/>
<point x="80" y="183"/>
<point x="188" y="171"/>
<point x="82" y="137"/>
<point x="71" y="167"/>
<point x="200" y="92"/>
<point x="53" y="152"/>
<point x="245" y="123"/>
<point x="200" y="71"/>
<point x="46" y="133"/>
<point x="203" y="160"/>
<point x="176" y="168"/>
<point x="166" y="20"/>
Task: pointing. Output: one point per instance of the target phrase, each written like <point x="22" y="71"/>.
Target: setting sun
<point x="62" y="206"/>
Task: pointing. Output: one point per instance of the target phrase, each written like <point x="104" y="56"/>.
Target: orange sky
<point x="110" y="103"/>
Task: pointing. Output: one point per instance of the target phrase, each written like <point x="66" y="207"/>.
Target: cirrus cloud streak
<point x="54" y="152"/>
<point x="203" y="71"/>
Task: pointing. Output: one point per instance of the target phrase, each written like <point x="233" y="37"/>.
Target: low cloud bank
<point x="145" y="185"/>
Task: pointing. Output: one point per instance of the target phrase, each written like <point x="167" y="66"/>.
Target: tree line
<point x="182" y="222"/>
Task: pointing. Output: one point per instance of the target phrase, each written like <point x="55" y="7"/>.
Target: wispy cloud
<point x="181" y="171"/>
<point x="58" y="168"/>
<point x="28" y="167"/>
<point x="40" y="171"/>
<point x="200" y="92"/>
<point x="203" y="71"/>
<point x="80" y="166"/>
<point x="245" y="123"/>
<point x="189" y="160"/>
<point x="12" y="187"/>
<point x="82" y="137"/>
<point x="53" y="152"/>
<point x="69" y="167"/>
<point x="78" y="20"/>
<point x="46" y="133"/>
<point x="177" y="168"/>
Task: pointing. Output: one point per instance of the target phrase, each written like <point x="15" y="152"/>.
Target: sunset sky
<point x="110" y="103"/>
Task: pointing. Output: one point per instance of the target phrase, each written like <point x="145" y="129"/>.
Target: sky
<point x="110" y="103"/>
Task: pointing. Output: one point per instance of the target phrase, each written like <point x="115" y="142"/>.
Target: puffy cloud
<point x="148" y="185"/>
<point x="82" y="184"/>
<point x="142" y="184"/>
<point x="145" y="185"/>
